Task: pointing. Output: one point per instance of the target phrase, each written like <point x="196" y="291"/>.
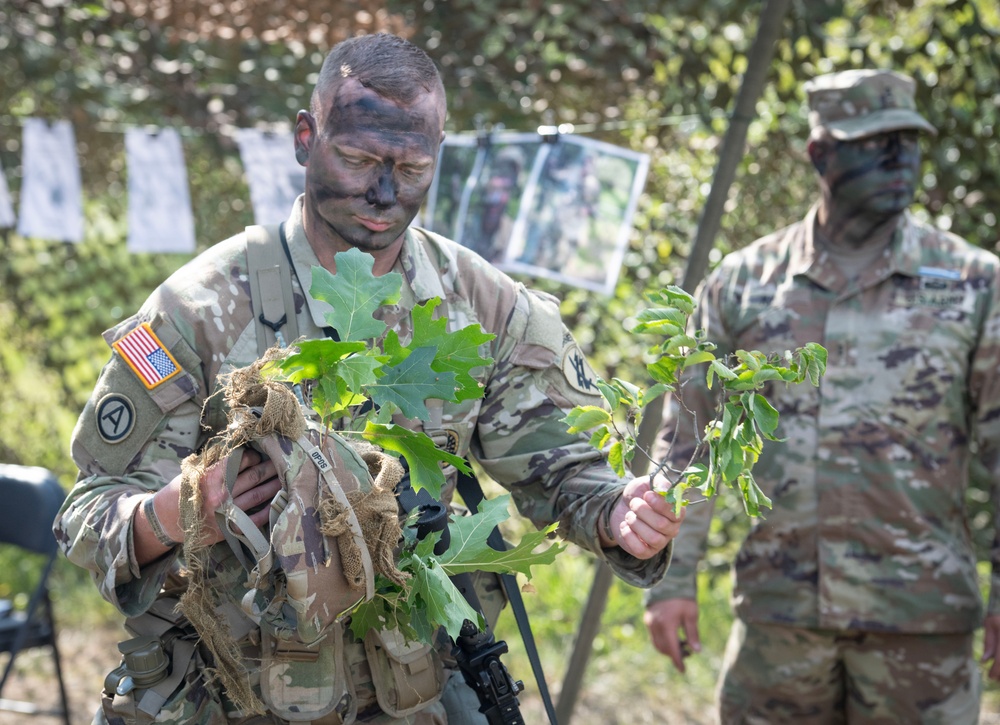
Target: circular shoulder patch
<point x="577" y="370"/>
<point x="115" y="418"/>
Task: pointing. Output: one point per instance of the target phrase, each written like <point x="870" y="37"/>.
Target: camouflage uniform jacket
<point x="130" y="440"/>
<point x="868" y="529"/>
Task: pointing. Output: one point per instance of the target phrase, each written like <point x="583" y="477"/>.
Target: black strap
<point x="472" y="494"/>
<point x="330" y="332"/>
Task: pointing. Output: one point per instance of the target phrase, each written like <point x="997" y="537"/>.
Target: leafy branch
<point x="429" y="599"/>
<point x="733" y="440"/>
<point x="356" y="385"/>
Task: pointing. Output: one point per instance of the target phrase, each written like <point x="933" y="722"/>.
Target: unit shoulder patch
<point x="115" y="418"/>
<point x="577" y="370"/>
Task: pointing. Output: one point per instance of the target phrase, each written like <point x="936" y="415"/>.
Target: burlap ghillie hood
<point x="333" y="526"/>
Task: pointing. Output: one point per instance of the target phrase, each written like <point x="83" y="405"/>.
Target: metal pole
<point x="590" y="624"/>
<point x="758" y="63"/>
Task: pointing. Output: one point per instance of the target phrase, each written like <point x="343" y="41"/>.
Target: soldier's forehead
<point x="348" y="103"/>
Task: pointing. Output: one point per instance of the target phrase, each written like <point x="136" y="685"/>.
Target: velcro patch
<point x="147" y="356"/>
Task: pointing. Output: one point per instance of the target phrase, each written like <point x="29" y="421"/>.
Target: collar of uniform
<point x="422" y="276"/>
<point x="905" y="253"/>
<point x="806" y="258"/>
<point x="414" y="264"/>
<point x="303" y="260"/>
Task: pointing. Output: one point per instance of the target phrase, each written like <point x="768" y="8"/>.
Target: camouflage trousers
<point x="775" y="674"/>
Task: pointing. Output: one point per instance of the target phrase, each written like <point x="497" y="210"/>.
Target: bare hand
<point x="991" y="643"/>
<point x="642" y="522"/>
<point x="256" y="484"/>
<point x="666" y="621"/>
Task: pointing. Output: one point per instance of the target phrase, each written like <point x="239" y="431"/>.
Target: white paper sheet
<point x="159" y="202"/>
<point x="51" y="204"/>
<point x="274" y="176"/>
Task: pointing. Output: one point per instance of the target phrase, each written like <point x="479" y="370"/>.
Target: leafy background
<point x="656" y="77"/>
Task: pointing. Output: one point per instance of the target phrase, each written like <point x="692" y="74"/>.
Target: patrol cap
<point x="854" y="104"/>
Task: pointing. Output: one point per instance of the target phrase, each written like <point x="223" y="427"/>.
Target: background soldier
<point x="857" y="597"/>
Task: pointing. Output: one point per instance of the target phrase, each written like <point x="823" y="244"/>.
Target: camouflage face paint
<point x="369" y="164"/>
<point x="873" y="176"/>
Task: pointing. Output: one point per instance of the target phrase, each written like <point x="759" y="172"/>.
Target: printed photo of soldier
<point x="575" y="217"/>
<point x="494" y="203"/>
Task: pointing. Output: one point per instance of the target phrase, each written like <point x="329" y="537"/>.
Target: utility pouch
<point x="302" y="683"/>
<point x="408" y="676"/>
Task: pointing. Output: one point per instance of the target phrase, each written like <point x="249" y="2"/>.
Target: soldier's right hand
<point x="256" y="484"/>
<point x="673" y="627"/>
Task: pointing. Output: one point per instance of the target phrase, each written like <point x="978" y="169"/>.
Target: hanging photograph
<point x="477" y="193"/>
<point x="456" y="162"/>
<point x="576" y="214"/>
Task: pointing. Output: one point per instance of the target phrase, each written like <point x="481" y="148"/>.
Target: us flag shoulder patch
<point x="147" y="356"/>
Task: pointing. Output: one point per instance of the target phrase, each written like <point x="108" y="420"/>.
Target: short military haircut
<point x="387" y="64"/>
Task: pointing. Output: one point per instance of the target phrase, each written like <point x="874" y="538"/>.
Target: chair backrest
<point x="30" y="498"/>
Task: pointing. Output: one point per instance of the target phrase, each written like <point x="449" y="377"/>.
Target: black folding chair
<point x="30" y="498"/>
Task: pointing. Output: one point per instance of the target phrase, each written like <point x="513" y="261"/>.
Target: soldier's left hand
<point x="642" y="522"/>
<point x="991" y="645"/>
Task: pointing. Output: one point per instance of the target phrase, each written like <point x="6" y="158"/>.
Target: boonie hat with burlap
<point x="858" y="103"/>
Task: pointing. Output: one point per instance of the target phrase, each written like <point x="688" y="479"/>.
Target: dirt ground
<point x="88" y="655"/>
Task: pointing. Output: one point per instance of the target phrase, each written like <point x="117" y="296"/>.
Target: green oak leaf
<point x="434" y="595"/>
<point x="315" y="358"/>
<point x="423" y="458"/>
<point x="410" y="383"/>
<point x="457" y="352"/>
<point x="388" y="609"/>
<point x="331" y="397"/>
<point x="360" y="371"/>
<point x="355" y="293"/>
<point x="469" y="550"/>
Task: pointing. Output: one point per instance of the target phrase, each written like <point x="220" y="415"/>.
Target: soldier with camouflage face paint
<point x="369" y="144"/>
<point x="857" y="597"/>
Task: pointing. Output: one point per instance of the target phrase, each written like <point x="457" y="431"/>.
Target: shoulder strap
<point x="270" y="288"/>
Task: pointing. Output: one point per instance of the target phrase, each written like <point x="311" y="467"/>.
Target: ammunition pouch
<point x="408" y="676"/>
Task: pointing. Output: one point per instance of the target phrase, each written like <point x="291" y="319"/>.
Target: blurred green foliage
<point x="658" y="79"/>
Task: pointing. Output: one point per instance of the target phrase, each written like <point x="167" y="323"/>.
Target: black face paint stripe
<point x="856" y="173"/>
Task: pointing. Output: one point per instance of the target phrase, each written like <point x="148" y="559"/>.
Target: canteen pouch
<point x="180" y="694"/>
<point x="301" y="683"/>
<point x="408" y="676"/>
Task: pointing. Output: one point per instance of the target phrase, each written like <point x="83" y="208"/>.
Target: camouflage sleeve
<point x="984" y="393"/>
<point x="676" y="444"/>
<point x="522" y="444"/>
<point x="129" y="440"/>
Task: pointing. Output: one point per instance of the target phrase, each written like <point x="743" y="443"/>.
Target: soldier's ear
<point x="305" y="133"/>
